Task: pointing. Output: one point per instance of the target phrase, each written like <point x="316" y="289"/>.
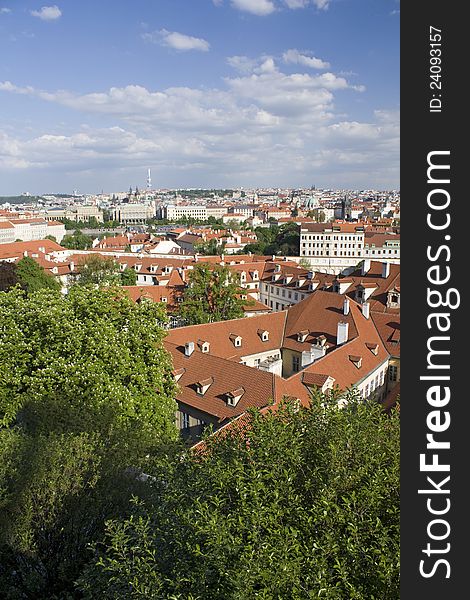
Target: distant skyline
<point x="205" y="93"/>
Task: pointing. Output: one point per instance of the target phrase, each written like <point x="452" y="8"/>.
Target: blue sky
<point x="206" y="93"/>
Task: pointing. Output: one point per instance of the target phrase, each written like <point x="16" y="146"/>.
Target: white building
<point x="336" y="247"/>
<point x="133" y="214"/>
<point x="174" y="212"/>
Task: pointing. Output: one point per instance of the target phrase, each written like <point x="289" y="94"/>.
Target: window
<point x="296" y="364"/>
<point x="184" y="420"/>
<point x="392" y="373"/>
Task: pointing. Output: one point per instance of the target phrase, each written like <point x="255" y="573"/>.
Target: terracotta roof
<point x="337" y="364"/>
<point x="218" y="335"/>
<point x="388" y="326"/>
<point x="259" y="385"/>
<point x="378" y="298"/>
<point x="17" y="249"/>
<point x="320" y="313"/>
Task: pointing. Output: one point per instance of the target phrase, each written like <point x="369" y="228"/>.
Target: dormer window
<point x="277" y="268"/>
<point x="236" y="340"/>
<point x="263" y="334"/>
<point x="288" y="278"/>
<point x="164" y="299"/>
<point x="302" y="335"/>
<point x="153" y="268"/>
<point x="300" y="282"/>
<point x="203" y="385"/>
<point x="255" y="275"/>
<point x="178" y="373"/>
<point x="204" y="346"/>
<point x="234" y="396"/>
<point x="243" y="276"/>
<point x="137" y="267"/>
<point x="356" y="360"/>
<point x="374" y="348"/>
<point x="393" y="298"/>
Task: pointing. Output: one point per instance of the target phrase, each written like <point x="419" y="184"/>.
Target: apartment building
<point x="30" y="229"/>
<point x="337" y="247"/>
<point x="175" y="212"/>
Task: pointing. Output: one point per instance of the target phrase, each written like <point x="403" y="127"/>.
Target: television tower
<point x="149" y="180"/>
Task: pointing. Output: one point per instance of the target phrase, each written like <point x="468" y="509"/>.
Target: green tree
<point x="32" y="277"/>
<point x="51" y="237"/>
<point x="300" y="504"/>
<point x="210" y="248"/>
<point x="213" y="294"/>
<point x="86" y="404"/>
<point x="128" y="277"/>
<point x="8" y="276"/>
<point x="99" y="271"/>
<point x="77" y="241"/>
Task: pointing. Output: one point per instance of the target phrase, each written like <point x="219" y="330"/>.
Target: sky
<point x="205" y="93"/>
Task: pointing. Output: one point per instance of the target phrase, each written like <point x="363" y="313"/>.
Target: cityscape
<point x="200" y="362"/>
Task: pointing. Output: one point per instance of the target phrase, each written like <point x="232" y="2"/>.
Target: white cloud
<point x="5" y="11"/>
<point x="295" y="57"/>
<point x="177" y="41"/>
<point x="47" y="13"/>
<point x="296" y="3"/>
<point x="263" y="127"/>
<point x="255" y="7"/>
<point x="266" y="7"/>
<point x="321" y="4"/>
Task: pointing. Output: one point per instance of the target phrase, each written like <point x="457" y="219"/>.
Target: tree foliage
<point x="8" y="276"/>
<point x="77" y="241"/>
<point x="213" y="294"/>
<point x="32" y="277"/>
<point x="276" y="240"/>
<point x="99" y="271"/>
<point x="128" y="277"/>
<point x="301" y="504"/>
<point x="86" y="402"/>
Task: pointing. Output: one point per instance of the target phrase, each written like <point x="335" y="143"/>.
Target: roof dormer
<point x="356" y="360"/>
<point x="313" y="285"/>
<point x="255" y="275"/>
<point x="302" y="335"/>
<point x="300" y="281"/>
<point x="263" y="334"/>
<point x="236" y="340"/>
<point x="373" y="347"/>
<point x="204" y="346"/>
<point x="393" y="298"/>
<point x="243" y="276"/>
<point x="178" y="373"/>
<point x="203" y="385"/>
<point x="234" y="396"/>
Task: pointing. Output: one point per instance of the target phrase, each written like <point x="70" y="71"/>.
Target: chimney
<point x="188" y="348"/>
<point x="385" y="269"/>
<point x="366" y="309"/>
<point x="346" y="306"/>
<point x="342" y="333"/>
<point x="365" y="266"/>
